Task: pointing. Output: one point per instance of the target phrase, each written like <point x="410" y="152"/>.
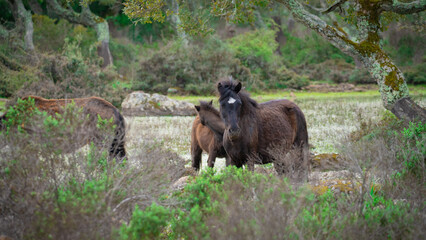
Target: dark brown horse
<point x="207" y="135"/>
<point x="257" y="131"/>
<point x="94" y="107"/>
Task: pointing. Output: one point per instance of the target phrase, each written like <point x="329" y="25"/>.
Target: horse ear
<point x="237" y="88"/>
<point x="197" y="108"/>
<point x="211" y="102"/>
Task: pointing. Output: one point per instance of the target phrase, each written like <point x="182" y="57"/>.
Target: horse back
<point x="277" y="122"/>
<point x="91" y="105"/>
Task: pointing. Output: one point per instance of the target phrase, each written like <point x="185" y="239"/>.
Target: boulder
<point x="144" y="104"/>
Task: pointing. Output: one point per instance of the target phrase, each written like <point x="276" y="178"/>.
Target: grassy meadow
<point x="331" y="117"/>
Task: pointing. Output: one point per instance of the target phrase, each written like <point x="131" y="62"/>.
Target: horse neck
<point x="249" y="111"/>
<point x="216" y="125"/>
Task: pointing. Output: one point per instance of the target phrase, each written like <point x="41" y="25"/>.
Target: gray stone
<point x="144" y="104"/>
<point x="180" y="183"/>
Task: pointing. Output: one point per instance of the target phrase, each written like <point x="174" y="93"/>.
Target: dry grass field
<point x="330" y="118"/>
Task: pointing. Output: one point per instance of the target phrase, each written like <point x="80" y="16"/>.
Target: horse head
<point x="204" y="111"/>
<point x="230" y="106"/>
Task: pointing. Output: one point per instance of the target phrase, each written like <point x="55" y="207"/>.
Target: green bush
<point x="146" y="224"/>
<point x="332" y="70"/>
<point x="335" y="217"/>
<point x="254" y="49"/>
<point x="51" y="31"/>
<point x="125" y="55"/>
<point x="313" y="49"/>
<point x="416" y="74"/>
<point x="55" y="190"/>
<point x="67" y="75"/>
<point x="193" y="68"/>
<point x="11" y="81"/>
<point x="54" y="32"/>
<point x="413" y="153"/>
<point x="360" y="76"/>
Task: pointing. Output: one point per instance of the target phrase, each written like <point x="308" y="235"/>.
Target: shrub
<point x="194" y="68"/>
<point x="11" y="81"/>
<point x="413" y="152"/>
<point x="360" y="76"/>
<point x="69" y="75"/>
<point x="255" y="49"/>
<point x="50" y="190"/>
<point x="146" y="224"/>
<point x="313" y="49"/>
<point x="69" y="69"/>
<point x="333" y="70"/>
<point x="415" y="75"/>
<point x="54" y="32"/>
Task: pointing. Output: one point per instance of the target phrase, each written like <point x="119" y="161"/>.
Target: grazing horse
<point x="207" y="135"/>
<point x="94" y="107"/>
<point x="257" y="131"/>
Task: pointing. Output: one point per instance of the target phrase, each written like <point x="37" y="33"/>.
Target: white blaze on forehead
<point x="231" y="100"/>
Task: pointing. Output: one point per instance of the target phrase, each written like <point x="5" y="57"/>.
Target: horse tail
<point x="302" y="138"/>
<point x="117" y="147"/>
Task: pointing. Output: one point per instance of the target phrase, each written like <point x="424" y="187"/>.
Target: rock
<point x="327" y="161"/>
<point x="144" y="104"/>
<point x="180" y="183"/>
<point x="172" y="90"/>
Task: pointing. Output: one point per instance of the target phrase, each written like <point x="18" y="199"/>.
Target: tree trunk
<point x="176" y="21"/>
<point x="24" y="23"/>
<point x="280" y="38"/>
<point x="392" y="85"/>
<point x="102" y="31"/>
<point x="88" y="19"/>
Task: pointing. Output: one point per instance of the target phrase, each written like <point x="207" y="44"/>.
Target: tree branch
<point x="404" y="8"/>
<point x="88" y="19"/>
<point x="334" y="6"/>
<point x="313" y="9"/>
<point x="330" y="9"/>
<point x="83" y="18"/>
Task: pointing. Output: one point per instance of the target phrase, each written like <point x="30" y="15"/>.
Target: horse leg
<point x="305" y="162"/>
<point x="227" y="160"/>
<point x="212" y="158"/>
<point x="196" y="152"/>
<point x="250" y="166"/>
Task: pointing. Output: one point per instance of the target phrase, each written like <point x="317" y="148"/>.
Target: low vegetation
<point x="51" y="192"/>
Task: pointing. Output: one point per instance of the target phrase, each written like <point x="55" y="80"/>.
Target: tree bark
<point x="280" y="38"/>
<point x="391" y="81"/>
<point x="88" y="19"/>
<point x="24" y="23"/>
<point x="176" y="21"/>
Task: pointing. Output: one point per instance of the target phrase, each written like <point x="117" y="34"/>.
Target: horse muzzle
<point x="234" y="133"/>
